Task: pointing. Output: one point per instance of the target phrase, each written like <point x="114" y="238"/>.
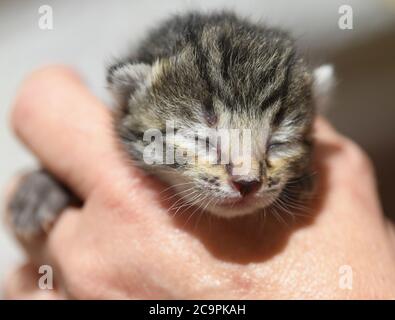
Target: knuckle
<point x="356" y="157"/>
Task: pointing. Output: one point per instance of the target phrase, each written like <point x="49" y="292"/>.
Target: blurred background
<point x="88" y="34"/>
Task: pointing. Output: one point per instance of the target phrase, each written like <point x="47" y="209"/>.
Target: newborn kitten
<point x="203" y="73"/>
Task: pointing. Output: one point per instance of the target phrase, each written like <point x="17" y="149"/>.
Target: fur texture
<point x="219" y="71"/>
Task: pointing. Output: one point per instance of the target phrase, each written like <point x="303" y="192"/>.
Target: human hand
<point x="123" y="243"/>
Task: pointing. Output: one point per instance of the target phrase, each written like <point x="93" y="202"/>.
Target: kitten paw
<point x="36" y="202"/>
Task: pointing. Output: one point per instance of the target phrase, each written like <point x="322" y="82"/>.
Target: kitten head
<point x="252" y="85"/>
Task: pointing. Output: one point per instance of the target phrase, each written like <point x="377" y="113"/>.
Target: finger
<point x="65" y="126"/>
<point x="68" y="253"/>
<point x="324" y="131"/>
<point x="23" y="284"/>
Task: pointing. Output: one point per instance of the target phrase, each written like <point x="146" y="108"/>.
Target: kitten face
<point x="224" y="80"/>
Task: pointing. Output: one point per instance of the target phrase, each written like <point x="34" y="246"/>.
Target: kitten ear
<point x="323" y="84"/>
<point x="125" y="79"/>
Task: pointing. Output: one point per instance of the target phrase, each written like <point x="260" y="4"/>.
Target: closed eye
<point x="276" y="145"/>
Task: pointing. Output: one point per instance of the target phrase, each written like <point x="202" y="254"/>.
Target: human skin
<point x="123" y="242"/>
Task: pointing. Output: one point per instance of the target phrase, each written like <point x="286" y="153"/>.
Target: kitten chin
<point x="241" y="207"/>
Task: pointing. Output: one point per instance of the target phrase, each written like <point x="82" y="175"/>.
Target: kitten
<point x="204" y="73"/>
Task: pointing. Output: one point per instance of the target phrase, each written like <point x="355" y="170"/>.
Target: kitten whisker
<point x="175" y="186"/>
<point x="184" y="201"/>
<point x="178" y="194"/>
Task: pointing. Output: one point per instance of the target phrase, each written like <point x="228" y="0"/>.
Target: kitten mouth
<point x="238" y="202"/>
<point x="232" y="207"/>
<point x="252" y="200"/>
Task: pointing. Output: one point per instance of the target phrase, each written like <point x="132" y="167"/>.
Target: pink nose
<point x="246" y="187"/>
